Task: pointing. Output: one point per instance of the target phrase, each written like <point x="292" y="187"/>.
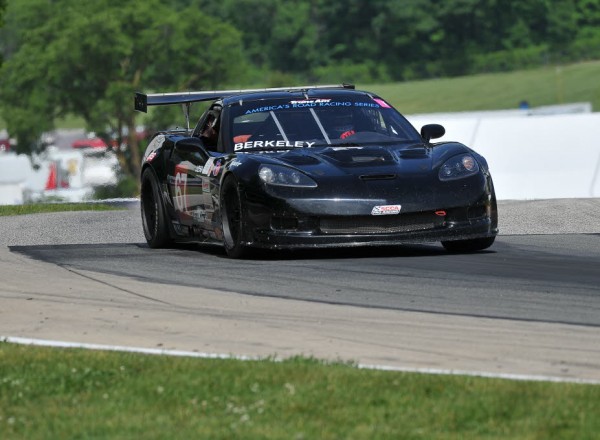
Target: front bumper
<point x="279" y="240"/>
<point x="291" y="230"/>
<point x="458" y="210"/>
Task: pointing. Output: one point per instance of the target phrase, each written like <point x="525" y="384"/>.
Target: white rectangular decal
<point x="386" y="210"/>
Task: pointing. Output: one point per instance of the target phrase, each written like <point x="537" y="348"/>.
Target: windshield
<point x="304" y="123"/>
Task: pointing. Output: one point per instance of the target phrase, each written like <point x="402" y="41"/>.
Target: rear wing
<point x="142" y="100"/>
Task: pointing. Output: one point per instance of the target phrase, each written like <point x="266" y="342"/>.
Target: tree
<point x="378" y="40"/>
<point x="89" y="59"/>
<point x="2" y="8"/>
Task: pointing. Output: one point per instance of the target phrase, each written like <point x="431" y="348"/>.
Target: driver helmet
<point x="342" y="123"/>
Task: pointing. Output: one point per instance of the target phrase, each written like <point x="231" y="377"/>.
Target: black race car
<point x="310" y="167"/>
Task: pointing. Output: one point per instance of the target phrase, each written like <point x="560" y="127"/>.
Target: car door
<point x="187" y="181"/>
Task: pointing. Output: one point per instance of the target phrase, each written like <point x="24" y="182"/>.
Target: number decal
<point x="181" y="201"/>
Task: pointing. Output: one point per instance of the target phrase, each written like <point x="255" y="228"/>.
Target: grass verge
<point x="36" y="208"/>
<point x="74" y="393"/>
<point x="495" y="91"/>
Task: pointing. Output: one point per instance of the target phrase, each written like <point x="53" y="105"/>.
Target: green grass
<point x="37" y="208"/>
<point x="545" y="86"/>
<point x="73" y="393"/>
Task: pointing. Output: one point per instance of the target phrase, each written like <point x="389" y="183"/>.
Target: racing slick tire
<point x="472" y="245"/>
<point x="154" y="218"/>
<point x="232" y="215"/>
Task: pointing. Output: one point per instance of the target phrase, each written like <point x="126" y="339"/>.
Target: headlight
<point x="457" y="167"/>
<point x="284" y="176"/>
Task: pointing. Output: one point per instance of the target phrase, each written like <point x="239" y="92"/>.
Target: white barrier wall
<point x="531" y="157"/>
<point x="13" y="171"/>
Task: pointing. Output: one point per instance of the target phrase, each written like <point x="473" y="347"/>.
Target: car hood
<point x="404" y="174"/>
<point x="371" y="162"/>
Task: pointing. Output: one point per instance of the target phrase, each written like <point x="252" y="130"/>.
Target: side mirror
<point x="432" y="131"/>
<point x="191" y="145"/>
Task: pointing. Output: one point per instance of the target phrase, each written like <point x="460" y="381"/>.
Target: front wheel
<point x="472" y="245"/>
<point x="233" y="220"/>
<point x="154" y="218"/>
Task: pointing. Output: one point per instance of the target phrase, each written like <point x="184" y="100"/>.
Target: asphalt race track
<point x="537" y="290"/>
<point x="546" y="278"/>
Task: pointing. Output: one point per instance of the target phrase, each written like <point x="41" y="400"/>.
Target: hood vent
<point x="299" y="159"/>
<point x="360" y="156"/>
<point x="377" y="177"/>
<point x="413" y="153"/>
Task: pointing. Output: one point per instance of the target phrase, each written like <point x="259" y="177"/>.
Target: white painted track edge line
<point x="201" y="355"/>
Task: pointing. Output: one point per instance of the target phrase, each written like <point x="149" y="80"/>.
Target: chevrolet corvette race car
<point x="310" y="167"/>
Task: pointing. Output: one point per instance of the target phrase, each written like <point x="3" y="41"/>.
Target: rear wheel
<point x="472" y="245"/>
<point x="233" y="219"/>
<point x="154" y="218"/>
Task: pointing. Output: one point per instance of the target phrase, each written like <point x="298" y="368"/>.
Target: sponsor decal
<point x="153" y="146"/>
<point x="323" y="102"/>
<point x="205" y="186"/>
<point x="386" y="210"/>
<point x="268" y="108"/>
<point x="216" y="169"/>
<point x="308" y="101"/>
<point x="382" y="103"/>
<point x="366" y="104"/>
<point x="271" y="144"/>
<point x="241" y="138"/>
<point x="234" y="164"/>
<point x="319" y="103"/>
<point x="208" y="166"/>
<point x="151" y="156"/>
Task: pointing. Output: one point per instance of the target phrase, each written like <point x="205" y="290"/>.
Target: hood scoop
<point x="299" y="159"/>
<point x="359" y="156"/>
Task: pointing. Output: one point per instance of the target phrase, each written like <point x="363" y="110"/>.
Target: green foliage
<point x="346" y="72"/>
<point x="89" y="59"/>
<point x="506" y="60"/>
<point x="2" y="9"/>
<point x="125" y="187"/>
<point x="374" y="40"/>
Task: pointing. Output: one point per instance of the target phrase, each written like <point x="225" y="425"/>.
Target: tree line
<point x="394" y="40"/>
<point x="87" y="57"/>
